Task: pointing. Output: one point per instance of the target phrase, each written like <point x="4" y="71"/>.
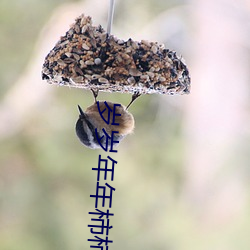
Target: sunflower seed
<point x="131" y="80"/>
<point x="134" y="72"/>
<point x="144" y="78"/>
<point x="150" y="74"/>
<point x="85" y="46"/>
<point x="61" y="62"/>
<point x="103" y="80"/>
<point x="69" y="60"/>
<point x="77" y="57"/>
<point x="120" y="42"/>
<point x="77" y="29"/>
<point x="88" y="62"/>
<point x="154" y="49"/>
<point x="78" y="70"/>
<point x="77" y="79"/>
<point x="145" y="42"/>
<point x="135" y="45"/>
<point x="95" y="76"/>
<point x="68" y="54"/>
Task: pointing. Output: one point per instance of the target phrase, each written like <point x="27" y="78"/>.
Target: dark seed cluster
<point x="87" y="57"/>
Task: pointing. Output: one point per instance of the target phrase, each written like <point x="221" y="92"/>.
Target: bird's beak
<point x="81" y="112"/>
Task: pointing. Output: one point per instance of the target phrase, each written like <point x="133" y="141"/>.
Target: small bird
<point x="91" y="121"/>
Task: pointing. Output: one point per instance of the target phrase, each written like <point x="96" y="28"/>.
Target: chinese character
<point x="101" y="213"/>
<point x="100" y="242"/>
<point x="101" y="227"/>
<point x="109" y="111"/>
<point x="110" y="140"/>
<point x="105" y="169"/>
<point x="103" y="196"/>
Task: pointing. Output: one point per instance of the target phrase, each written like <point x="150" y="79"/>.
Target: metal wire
<point x="110" y="15"/>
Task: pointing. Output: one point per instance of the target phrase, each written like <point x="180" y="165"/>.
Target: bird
<point x="90" y="125"/>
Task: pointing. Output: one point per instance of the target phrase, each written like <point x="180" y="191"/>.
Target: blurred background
<point x="182" y="178"/>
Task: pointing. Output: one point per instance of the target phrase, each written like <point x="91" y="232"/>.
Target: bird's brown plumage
<point x="126" y="120"/>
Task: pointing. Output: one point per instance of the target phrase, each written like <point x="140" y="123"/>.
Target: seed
<point x="154" y="49"/>
<point x="78" y="51"/>
<point x="88" y="62"/>
<point x="78" y="70"/>
<point x="103" y="37"/>
<point x="82" y="63"/>
<point x="85" y="46"/>
<point x="84" y="29"/>
<point x="126" y="56"/>
<point x="120" y="42"/>
<point x="83" y="21"/>
<point x="98" y="61"/>
<point x="134" y="72"/>
<point x="91" y="33"/>
<point x="77" y="79"/>
<point x="77" y="57"/>
<point x="131" y="80"/>
<point x="69" y="60"/>
<point x="71" y="32"/>
<point x="87" y="71"/>
<point x="68" y="54"/>
<point x="77" y="29"/>
<point x="61" y="62"/>
<point x="128" y="50"/>
<point x="150" y="74"/>
<point x="144" y="78"/>
<point x="134" y="45"/>
<point x="88" y="77"/>
<point x="64" y="43"/>
<point x="103" y="80"/>
<point x="145" y="42"/>
<point x="93" y="42"/>
<point x="118" y="58"/>
<point x="95" y="76"/>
